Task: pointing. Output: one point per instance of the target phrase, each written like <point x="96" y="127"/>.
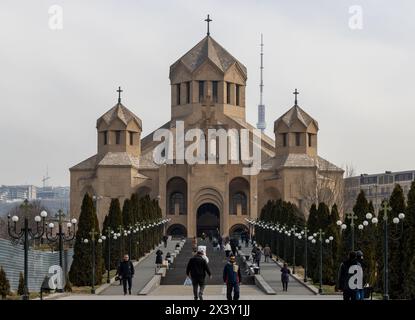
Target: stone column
<point x="191" y="220"/>
<point x="225" y="214"/>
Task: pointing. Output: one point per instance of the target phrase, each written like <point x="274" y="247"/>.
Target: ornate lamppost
<point x="319" y="237"/>
<point x="61" y="237"/>
<point x="305" y="233"/>
<point x="25" y="233"/>
<point x="386" y="208"/>
<point x="95" y="236"/>
<point x="110" y="233"/>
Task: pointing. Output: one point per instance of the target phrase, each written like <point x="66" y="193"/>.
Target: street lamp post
<point x="352" y="218"/>
<point x="110" y="233"/>
<point x="320" y="237"/>
<point x="24" y="233"/>
<point x="94" y="238"/>
<point x="294" y="237"/>
<point x="305" y="253"/>
<point x="60" y="236"/>
<point x="386" y="208"/>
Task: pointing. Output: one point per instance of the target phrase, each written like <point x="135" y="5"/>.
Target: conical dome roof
<point x="206" y="49"/>
<point x="293" y="115"/>
<point x="120" y="112"/>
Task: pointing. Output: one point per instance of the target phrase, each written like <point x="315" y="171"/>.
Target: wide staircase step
<point x="176" y="275"/>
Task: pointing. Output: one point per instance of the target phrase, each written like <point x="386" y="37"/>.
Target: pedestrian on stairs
<point x="228" y="249"/>
<point x="267" y="252"/>
<point x="165" y="238"/>
<point x="232" y="278"/>
<point x="196" y="269"/>
<point x="159" y="259"/>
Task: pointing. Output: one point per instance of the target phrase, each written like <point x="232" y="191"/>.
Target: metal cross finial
<point x="119" y="94"/>
<point x="208" y="20"/>
<point x="93" y="233"/>
<point x="295" y="93"/>
<point x="385" y="208"/>
<point x="352" y="217"/>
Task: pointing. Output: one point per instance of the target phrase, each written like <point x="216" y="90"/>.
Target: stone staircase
<point x="176" y="274"/>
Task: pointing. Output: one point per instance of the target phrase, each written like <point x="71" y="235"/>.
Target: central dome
<point x="208" y="49"/>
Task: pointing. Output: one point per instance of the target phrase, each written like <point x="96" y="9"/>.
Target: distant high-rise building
<point x="17" y="192"/>
<point x="377" y="187"/>
<point x="261" y="107"/>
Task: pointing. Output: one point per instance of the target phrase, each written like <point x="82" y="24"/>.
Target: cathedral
<point x="207" y="92"/>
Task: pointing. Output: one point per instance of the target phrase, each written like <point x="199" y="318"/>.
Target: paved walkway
<point x="144" y="271"/>
<point x="271" y="273"/>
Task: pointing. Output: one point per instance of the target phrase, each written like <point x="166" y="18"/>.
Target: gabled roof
<point x="119" y="112"/>
<point x="301" y="160"/>
<point x="295" y="113"/>
<point x="119" y="159"/>
<point x="88" y="164"/>
<point x="209" y="49"/>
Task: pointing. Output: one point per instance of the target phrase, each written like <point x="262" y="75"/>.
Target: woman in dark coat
<point x="285" y="277"/>
<point x="159" y="258"/>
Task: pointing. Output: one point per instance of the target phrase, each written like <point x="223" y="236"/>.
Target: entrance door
<point x="208" y="220"/>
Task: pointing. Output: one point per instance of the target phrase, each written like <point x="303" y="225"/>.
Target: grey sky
<point x="358" y="84"/>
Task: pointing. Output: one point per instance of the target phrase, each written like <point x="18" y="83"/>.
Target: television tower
<point x="261" y="107"/>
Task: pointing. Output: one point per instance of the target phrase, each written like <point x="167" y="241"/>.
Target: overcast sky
<point x="54" y="84"/>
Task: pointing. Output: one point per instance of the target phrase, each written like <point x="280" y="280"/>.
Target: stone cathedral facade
<point x="207" y="91"/>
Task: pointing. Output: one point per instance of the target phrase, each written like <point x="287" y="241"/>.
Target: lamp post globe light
<point x="95" y="237"/>
<point x="385" y="207"/>
<point x="25" y="232"/>
<point x="110" y="236"/>
<point x="61" y="237"/>
<point x="328" y="240"/>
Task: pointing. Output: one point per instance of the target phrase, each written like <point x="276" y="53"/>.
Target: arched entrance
<point x="238" y="230"/>
<point x="208" y="220"/>
<point x="177" y="231"/>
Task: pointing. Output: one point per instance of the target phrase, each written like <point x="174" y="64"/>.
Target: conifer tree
<point x="20" y="288"/>
<point x="4" y="284"/>
<point x="409" y="245"/>
<point x="312" y="224"/>
<point x="396" y="276"/>
<point x="81" y="268"/>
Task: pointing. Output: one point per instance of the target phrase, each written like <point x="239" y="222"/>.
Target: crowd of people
<point x="350" y="276"/>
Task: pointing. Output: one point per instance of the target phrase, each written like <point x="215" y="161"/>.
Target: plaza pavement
<point x="144" y="271"/>
<point x="270" y="271"/>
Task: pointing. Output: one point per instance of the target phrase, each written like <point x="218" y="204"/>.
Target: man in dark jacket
<point x="165" y="238"/>
<point x="126" y="273"/>
<point x="346" y="271"/>
<point x="232" y="278"/>
<point x="197" y="268"/>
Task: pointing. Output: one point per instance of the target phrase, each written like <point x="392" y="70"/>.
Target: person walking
<point x="126" y="273"/>
<point x="285" y="277"/>
<point x="344" y="277"/>
<point x="196" y="269"/>
<point x="232" y="278"/>
<point x="165" y="238"/>
<point x="267" y="252"/>
<point x="194" y="244"/>
<point x="257" y="255"/>
<point x="360" y="294"/>
<point x="159" y="259"/>
<point x="228" y="249"/>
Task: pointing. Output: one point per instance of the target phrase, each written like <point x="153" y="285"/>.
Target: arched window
<point x="176" y="196"/>
<point x="177" y="203"/>
<point x="239" y="200"/>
